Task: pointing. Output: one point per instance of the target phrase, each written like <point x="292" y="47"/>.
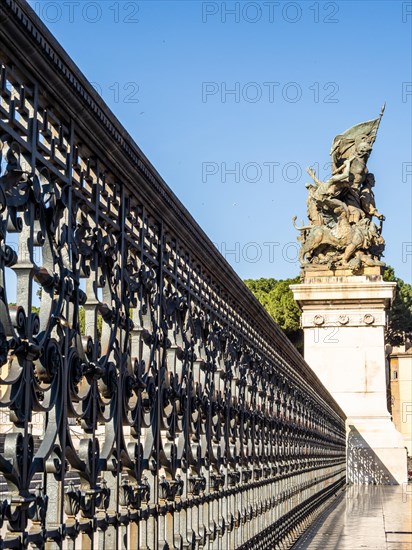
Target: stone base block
<point x="313" y="272"/>
<point x="344" y="319"/>
<point x="375" y="453"/>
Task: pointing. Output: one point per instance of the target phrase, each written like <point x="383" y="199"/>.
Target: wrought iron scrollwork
<point x="144" y="395"/>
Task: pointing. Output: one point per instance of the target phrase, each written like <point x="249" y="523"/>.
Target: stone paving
<point x="368" y="516"/>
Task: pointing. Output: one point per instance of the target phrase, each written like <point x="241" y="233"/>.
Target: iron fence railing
<point x="147" y="400"/>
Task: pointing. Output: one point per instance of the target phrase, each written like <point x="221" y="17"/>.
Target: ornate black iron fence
<point x="148" y="400"/>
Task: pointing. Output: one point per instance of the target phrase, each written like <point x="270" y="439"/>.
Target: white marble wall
<point x="343" y="319"/>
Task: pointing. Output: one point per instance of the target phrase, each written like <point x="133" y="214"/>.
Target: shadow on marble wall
<point x="363" y="465"/>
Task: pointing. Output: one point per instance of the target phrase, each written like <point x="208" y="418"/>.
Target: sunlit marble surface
<point x="365" y="516"/>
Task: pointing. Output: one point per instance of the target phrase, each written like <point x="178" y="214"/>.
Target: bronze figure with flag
<point x="342" y="232"/>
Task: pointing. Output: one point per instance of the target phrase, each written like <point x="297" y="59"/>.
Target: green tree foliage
<point x="277" y="298"/>
<point x="261" y="288"/>
<point x="282" y="306"/>
<point x="400" y="317"/>
<point x="88" y="331"/>
<point x="82" y="320"/>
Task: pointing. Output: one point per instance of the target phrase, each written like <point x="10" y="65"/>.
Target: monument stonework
<point x="345" y="303"/>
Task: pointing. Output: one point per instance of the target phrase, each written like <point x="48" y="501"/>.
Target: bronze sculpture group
<point x="342" y="232"/>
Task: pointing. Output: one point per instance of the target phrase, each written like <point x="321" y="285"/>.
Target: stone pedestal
<point x="343" y="318"/>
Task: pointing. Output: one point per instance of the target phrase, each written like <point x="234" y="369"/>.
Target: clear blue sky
<point x="302" y="72"/>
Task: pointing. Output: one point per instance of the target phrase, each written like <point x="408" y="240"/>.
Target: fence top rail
<point x="39" y="54"/>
